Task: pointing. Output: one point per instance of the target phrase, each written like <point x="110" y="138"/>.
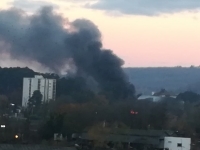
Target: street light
<point x="3" y="129"/>
<point x="16" y="136"/>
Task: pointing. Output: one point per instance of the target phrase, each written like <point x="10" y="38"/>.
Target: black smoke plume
<point x="56" y="43"/>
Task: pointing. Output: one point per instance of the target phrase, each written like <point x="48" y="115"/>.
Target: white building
<point x="151" y="98"/>
<point x="47" y="87"/>
<point x="176" y="143"/>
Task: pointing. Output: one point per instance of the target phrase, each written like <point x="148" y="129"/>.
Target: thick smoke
<point x="56" y="43"/>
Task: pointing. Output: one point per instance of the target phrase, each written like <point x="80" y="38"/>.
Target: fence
<point x="33" y="147"/>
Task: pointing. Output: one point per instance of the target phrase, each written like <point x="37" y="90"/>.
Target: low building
<point x="157" y="96"/>
<point x="150" y="98"/>
<point x="143" y="139"/>
<point x="164" y="93"/>
<point x="176" y="143"/>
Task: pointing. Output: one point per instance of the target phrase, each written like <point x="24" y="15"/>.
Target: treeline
<point x="78" y="107"/>
<point x="175" y="79"/>
<point x="76" y="88"/>
<point x="181" y="115"/>
<point x="11" y="82"/>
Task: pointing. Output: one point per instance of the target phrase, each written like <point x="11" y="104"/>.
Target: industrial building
<point x="47" y="87"/>
<point x="141" y="139"/>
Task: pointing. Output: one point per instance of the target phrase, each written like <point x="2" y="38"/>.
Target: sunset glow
<point x="141" y="41"/>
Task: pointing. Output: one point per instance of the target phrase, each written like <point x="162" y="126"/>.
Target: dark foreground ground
<point x="33" y="147"/>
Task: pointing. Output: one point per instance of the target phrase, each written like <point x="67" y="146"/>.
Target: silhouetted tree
<point x="4" y="104"/>
<point x="35" y="101"/>
<point x="53" y="125"/>
<point x="189" y="96"/>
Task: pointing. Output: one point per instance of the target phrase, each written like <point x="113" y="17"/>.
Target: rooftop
<point x="39" y="76"/>
<point x="128" y="135"/>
